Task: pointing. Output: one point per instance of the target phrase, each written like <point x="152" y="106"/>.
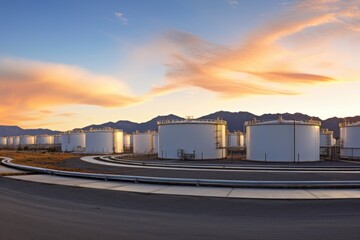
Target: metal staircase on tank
<point x="218" y="137"/>
<point x="152" y="147"/>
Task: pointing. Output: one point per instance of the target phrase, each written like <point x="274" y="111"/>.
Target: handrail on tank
<point x="219" y="121"/>
<point x="73" y="131"/>
<point x="346" y="124"/>
<point x="102" y="129"/>
<point x="326" y="131"/>
<point x="281" y="120"/>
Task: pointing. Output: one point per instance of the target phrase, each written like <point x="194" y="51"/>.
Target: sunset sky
<point x="71" y="63"/>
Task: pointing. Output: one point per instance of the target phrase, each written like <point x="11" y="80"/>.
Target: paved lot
<point x="223" y="192"/>
<point x="41" y="211"/>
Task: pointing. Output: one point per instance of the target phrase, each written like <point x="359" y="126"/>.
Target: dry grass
<point x="39" y="159"/>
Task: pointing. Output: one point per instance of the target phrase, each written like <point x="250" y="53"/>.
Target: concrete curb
<point x="192" y="182"/>
<point x="228" y="167"/>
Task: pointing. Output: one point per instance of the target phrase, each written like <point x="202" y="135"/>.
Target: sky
<point x="68" y="64"/>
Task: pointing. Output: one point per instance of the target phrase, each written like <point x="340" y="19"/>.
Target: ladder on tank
<point x="218" y="137"/>
<point x="152" y="145"/>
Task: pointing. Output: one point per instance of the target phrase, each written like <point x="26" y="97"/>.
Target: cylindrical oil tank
<point x="104" y="141"/>
<point x="73" y="141"/>
<point x="16" y="141"/>
<point x="156" y="142"/>
<point x="326" y="138"/>
<point x="236" y="139"/>
<point x="283" y="140"/>
<point x="127" y="141"/>
<point x="45" y="139"/>
<point x="27" y="140"/>
<point x="10" y="142"/>
<point x="3" y="141"/>
<point x="192" y="139"/>
<point x="57" y="139"/>
<point x="143" y="142"/>
<point x="350" y="140"/>
<point x="326" y="141"/>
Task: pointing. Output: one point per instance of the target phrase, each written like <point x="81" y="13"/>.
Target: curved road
<point x="41" y="211"/>
<point x="76" y="163"/>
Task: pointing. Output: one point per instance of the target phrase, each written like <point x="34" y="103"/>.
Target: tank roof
<point x="282" y="121"/>
<point x="326" y="131"/>
<point x="73" y="131"/>
<point x="144" y="133"/>
<point x="192" y="121"/>
<point x="349" y="124"/>
<point x="235" y="132"/>
<point x="105" y="129"/>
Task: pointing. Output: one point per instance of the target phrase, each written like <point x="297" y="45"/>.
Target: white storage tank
<point x="16" y="141"/>
<point x="283" y="140"/>
<point x="156" y="142"/>
<point x="326" y="141"/>
<point x="27" y="140"/>
<point x="45" y="140"/>
<point x="10" y="142"/>
<point x="127" y="141"/>
<point x="350" y="140"/>
<point x="192" y="139"/>
<point x="3" y="142"/>
<point x="73" y="141"/>
<point x="326" y="138"/>
<point x="236" y="139"/>
<point x="143" y="142"/>
<point x="104" y="141"/>
<point x="57" y="139"/>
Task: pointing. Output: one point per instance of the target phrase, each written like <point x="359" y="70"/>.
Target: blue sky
<point x="88" y="34"/>
<point x="138" y="59"/>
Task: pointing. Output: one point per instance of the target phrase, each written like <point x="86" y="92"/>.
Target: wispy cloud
<point x="120" y="16"/>
<point x="285" y="55"/>
<point x="233" y="3"/>
<point x="67" y="114"/>
<point x="29" y="87"/>
<point x="264" y="62"/>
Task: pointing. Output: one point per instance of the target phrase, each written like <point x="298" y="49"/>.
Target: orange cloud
<point x="280" y="57"/>
<point x="261" y="63"/>
<point x="27" y="87"/>
<point x="294" y="77"/>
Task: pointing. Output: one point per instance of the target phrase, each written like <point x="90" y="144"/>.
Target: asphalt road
<point x="41" y="211"/>
<point x="76" y="163"/>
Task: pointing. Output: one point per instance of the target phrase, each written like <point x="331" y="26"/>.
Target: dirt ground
<point x="39" y="158"/>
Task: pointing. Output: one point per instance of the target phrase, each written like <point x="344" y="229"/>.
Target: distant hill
<point x="235" y="121"/>
<point x="6" y="131"/>
<point x="130" y="127"/>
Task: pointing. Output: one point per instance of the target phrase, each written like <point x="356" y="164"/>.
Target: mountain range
<point x="235" y="121"/>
